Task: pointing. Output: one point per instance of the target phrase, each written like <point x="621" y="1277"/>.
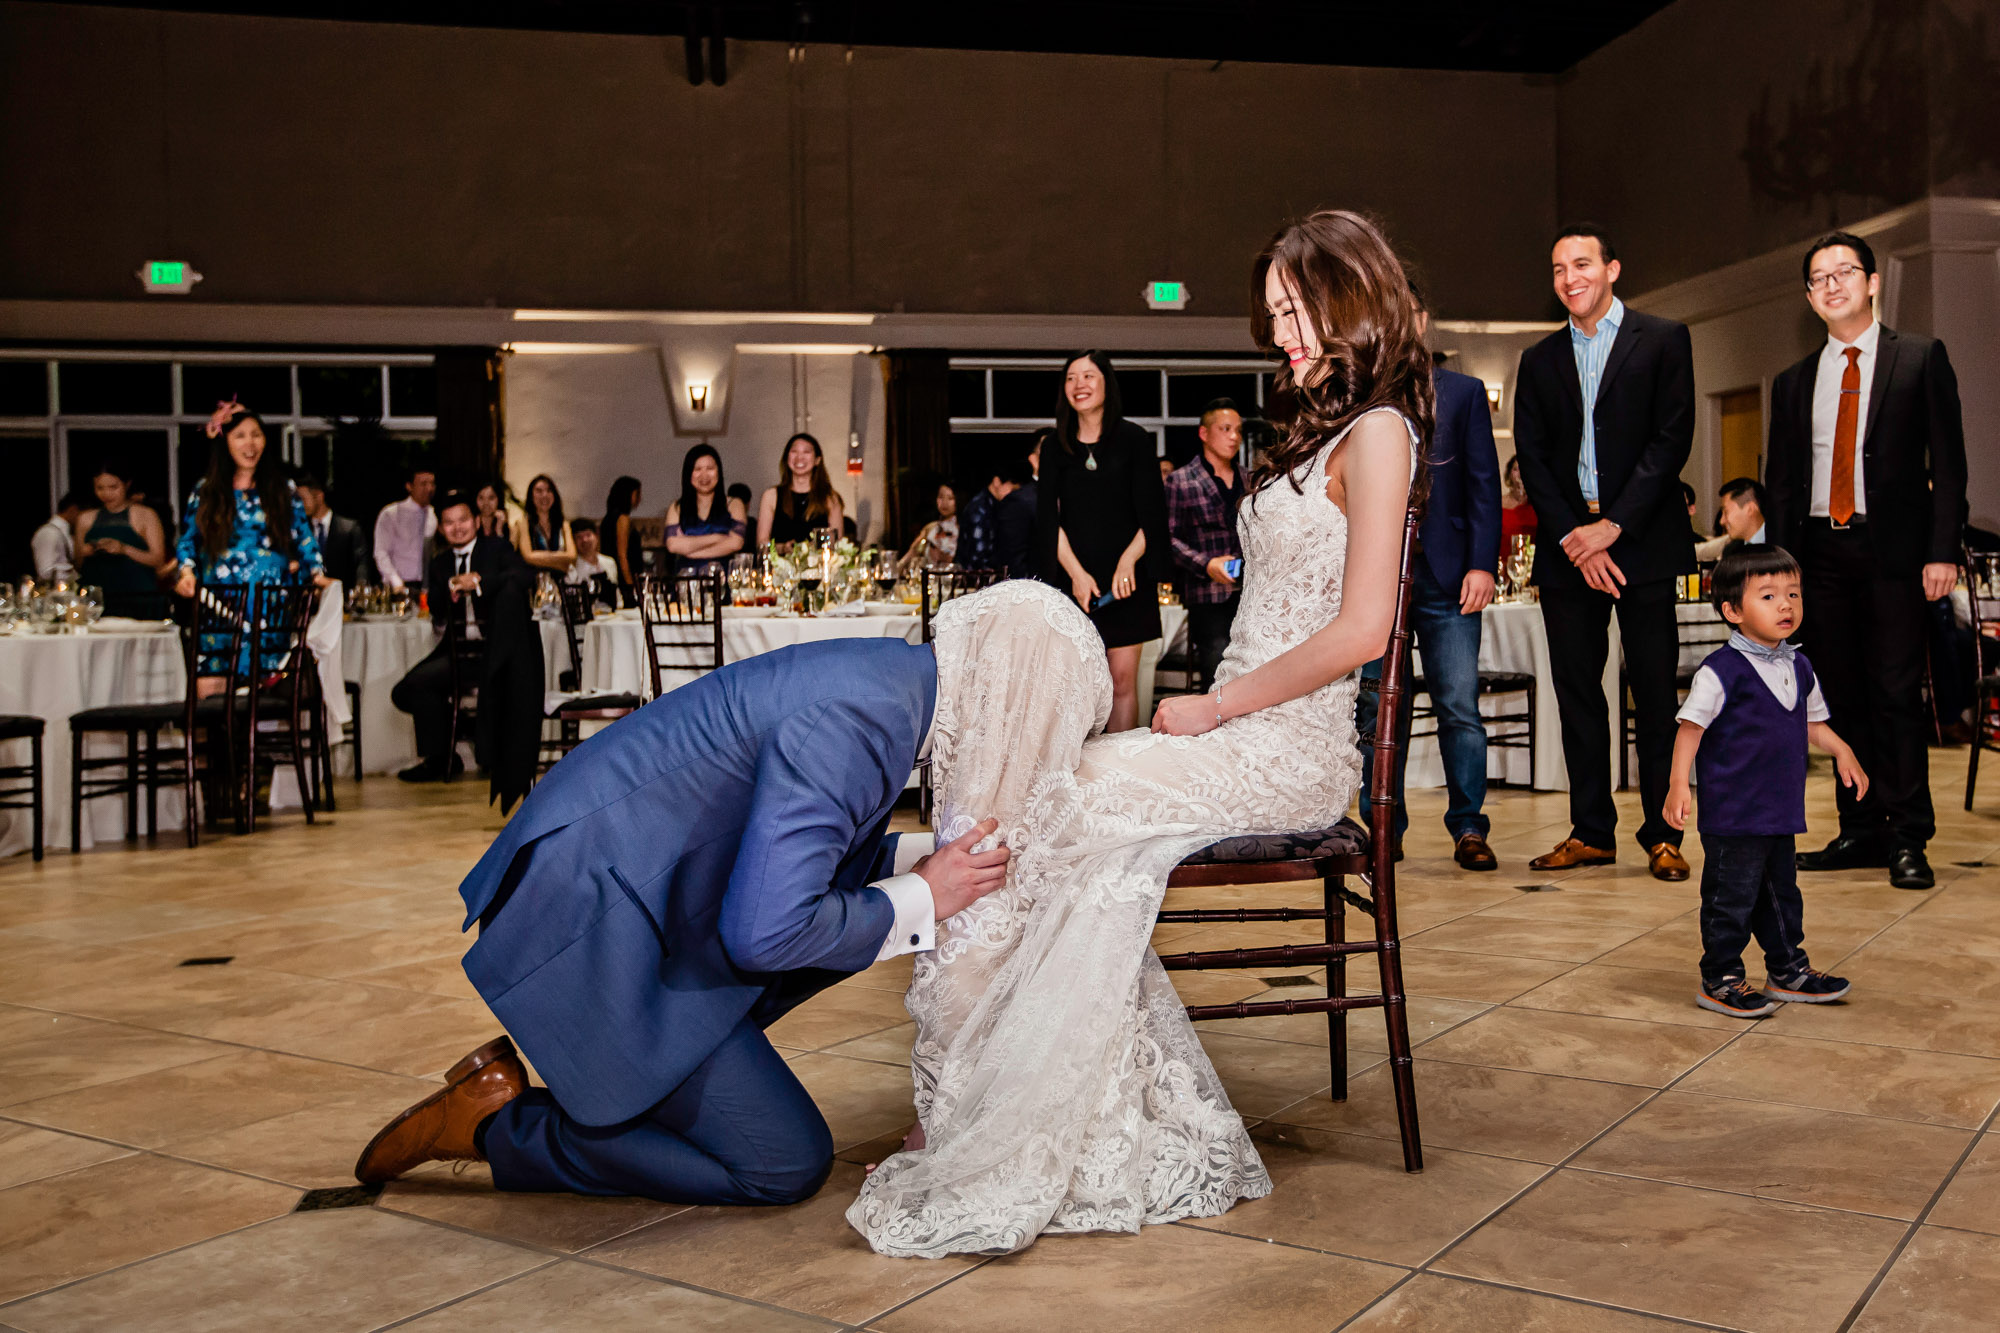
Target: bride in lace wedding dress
<point x="1059" y="1084"/>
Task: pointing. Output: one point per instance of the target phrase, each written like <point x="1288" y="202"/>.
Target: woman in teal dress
<point x="122" y="548"/>
<point x="243" y="524"/>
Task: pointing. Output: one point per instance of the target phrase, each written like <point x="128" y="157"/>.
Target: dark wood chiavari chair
<point x="682" y="614"/>
<point x="1981" y="572"/>
<point x="286" y="705"/>
<point x="24" y="727"/>
<point x="572" y="712"/>
<point x="1332" y="856"/>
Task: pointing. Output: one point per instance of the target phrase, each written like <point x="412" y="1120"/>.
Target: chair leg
<point x="1395" y="1014"/>
<point x="75" y="791"/>
<point x="35" y="762"/>
<point x="1336" y="987"/>
<point x="247" y="788"/>
<point x="132" y="785"/>
<point x="308" y="792"/>
<point x="152" y="783"/>
<point x="190" y="788"/>
<point x="1978" y="742"/>
<point x="1532" y="720"/>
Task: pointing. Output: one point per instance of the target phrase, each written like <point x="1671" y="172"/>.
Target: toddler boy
<point x="1749" y="715"/>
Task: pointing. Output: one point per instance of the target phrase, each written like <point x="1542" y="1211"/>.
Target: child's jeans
<point x="1749" y="886"/>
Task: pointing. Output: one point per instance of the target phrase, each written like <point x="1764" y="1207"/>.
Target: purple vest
<point x="1751" y="767"/>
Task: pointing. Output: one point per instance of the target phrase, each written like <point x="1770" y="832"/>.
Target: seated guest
<point x="1201" y="523"/>
<point x="54" y="544"/>
<point x="1013" y="491"/>
<point x="342" y="547"/>
<point x="489" y="512"/>
<point x="936" y="546"/>
<point x="804" y="500"/>
<point x="543" y="535"/>
<point x="704" y="527"/>
<point x="402" y="529"/>
<point x="1517" y="516"/>
<point x="590" y="567"/>
<point x="738" y="493"/>
<point x="469" y="566"/>
<point x="1742" y="518"/>
<point x="122" y="548"/>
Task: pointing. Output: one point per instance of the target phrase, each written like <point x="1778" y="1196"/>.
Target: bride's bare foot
<point x="912" y="1142"/>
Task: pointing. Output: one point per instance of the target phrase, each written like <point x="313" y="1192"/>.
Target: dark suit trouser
<point x="424" y="693"/>
<point x="741" y="1129"/>
<point x="1866" y="635"/>
<point x="1578" y="622"/>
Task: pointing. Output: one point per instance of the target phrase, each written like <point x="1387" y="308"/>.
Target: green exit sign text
<point x="1166" y="296"/>
<point x="168" y="277"/>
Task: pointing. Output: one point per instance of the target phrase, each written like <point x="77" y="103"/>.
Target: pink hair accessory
<point x="220" y="417"/>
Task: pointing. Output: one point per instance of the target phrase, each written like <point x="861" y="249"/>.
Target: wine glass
<point x="93" y="605"/>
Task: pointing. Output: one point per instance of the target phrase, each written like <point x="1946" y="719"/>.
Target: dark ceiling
<point x="1519" y="36"/>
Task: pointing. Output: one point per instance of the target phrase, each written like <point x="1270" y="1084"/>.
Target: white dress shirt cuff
<point x="912" y="848"/>
<point x="916" y="922"/>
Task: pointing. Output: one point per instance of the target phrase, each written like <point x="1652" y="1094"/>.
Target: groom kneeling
<point x="673" y="887"/>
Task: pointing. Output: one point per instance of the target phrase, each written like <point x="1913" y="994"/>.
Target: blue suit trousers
<point x="741" y="1129"/>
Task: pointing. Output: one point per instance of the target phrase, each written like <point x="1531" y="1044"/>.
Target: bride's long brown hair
<point x="1349" y="283"/>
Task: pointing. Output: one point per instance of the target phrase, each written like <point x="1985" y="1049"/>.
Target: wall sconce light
<point x="1493" y="397"/>
<point x="698" y="397"/>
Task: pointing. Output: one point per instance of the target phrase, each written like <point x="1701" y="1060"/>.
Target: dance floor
<point x="1600" y="1154"/>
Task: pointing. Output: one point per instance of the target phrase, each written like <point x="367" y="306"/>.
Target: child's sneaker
<point x="1807" y="986"/>
<point x="1733" y="996"/>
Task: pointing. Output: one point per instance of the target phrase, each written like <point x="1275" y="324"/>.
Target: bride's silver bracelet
<point x="1218" y="705"/>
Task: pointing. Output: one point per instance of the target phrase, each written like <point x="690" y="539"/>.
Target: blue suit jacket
<point x="705" y="859"/>
<point x="1461" y="527"/>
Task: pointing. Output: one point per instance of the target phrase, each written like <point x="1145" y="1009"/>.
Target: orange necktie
<point x="1840" y="486"/>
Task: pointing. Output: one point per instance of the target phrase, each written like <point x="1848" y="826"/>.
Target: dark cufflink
<point x="914" y="939"/>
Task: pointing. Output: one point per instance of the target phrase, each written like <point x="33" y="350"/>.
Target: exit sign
<point x="168" y="277"/>
<point x="1166" y="296"/>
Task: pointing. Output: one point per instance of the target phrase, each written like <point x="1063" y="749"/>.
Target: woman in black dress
<point x="803" y="500"/>
<point x="621" y="538"/>
<point x="1102" y="521"/>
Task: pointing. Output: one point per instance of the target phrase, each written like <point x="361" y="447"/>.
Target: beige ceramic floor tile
<point x="804" y="1257"/>
<point x="1972" y="1201"/>
<point x="314" y="1148"/>
<point x="1628" y="992"/>
<point x="890" y="1046"/>
<point x="1366" y="1029"/>
<point x="836" y="1015"/>
<point x="564" y="1297"/>
<point x="1945" y="1282"/>
<point x="1615" y="1050"/>
<point x="861" y="1099"/>
<point x="1503" y="1112"/>
<point x="353" y="1268"/>
<point x="465" y="1198"/>
<point x="1122" y="1284"/>
<point x="50" y="1053"/>
<point x="398" y="1031"/>
<point x="113" y="922"/>
<point x="434" y="976"/>
<point x="70" y="1226"/>
<point x="1429" y="1304"/>
<point x="1694" y="1254"/>
<point x="1827" y="1158"/>
<point x="1350" y="1194"/>
<point x="1556" y="940"/>
<point x="1887" y="1081"/>
<point x="1262" y="1076"/>
<point x="1922" y="1023"/>
<point x="1484" y="978"/>
<point x="1885" y="966"/>
<point x="30" y="1153"/>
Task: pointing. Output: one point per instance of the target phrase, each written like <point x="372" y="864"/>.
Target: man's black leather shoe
<point x="1909" y="870"/>
<point x="1849" y="851"/>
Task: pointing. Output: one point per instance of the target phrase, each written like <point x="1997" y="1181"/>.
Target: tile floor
<point x="1600" y="1154"/>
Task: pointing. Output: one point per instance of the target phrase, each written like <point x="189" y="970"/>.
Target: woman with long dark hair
<point x="122" y="547"/>
<point x="489" y="511"/>
<point x="1101" y="521"/>
<point x="704" y="527"/>
<point x="1070" y="1091"/>
<point x="804" y="500"/>
<point x="543" y="535"/>
<point x="621" y="539"/>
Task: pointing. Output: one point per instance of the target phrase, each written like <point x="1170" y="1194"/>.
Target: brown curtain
<point x="917" y="430"/>
<point x="471" y="444"/>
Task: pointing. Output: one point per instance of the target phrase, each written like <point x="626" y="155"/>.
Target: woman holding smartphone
<point x="1102" y="521"/>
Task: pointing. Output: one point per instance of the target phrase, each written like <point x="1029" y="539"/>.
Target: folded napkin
<point x="127" y="625"/>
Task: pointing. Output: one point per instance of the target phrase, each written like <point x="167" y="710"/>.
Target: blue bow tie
<point x="1742" y="643"/>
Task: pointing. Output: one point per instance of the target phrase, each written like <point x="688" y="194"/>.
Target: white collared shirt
<point x="1706" y="696"/>
<point x="1826" y="415"/>
<point x="461" y="563"/>
<point x="54" y="548"/>
<point x="910" y="894"/>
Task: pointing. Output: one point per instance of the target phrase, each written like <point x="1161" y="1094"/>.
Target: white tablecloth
<point x="376" y="654"/>
<point x="52" y="676"/>
<point x="614" y="649"/>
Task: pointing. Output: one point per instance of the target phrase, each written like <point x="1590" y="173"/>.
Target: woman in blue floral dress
<point x="243" y="525"/>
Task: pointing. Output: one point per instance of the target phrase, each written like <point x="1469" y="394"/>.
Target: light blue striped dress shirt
<point x="1592" y="352"/>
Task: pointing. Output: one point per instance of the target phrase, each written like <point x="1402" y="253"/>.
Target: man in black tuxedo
<point x="466" y="570"/>
<point x="1866" y="475"/>
<point x="1603" y="421"/>
<point x="343" y="547"/>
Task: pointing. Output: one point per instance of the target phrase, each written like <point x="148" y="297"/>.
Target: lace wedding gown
<point x="1059" y="1083"/>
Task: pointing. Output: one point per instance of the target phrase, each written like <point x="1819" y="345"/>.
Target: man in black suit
<point x="1013" y="487"/>
<point x="1866" y="475"/>
<point x="464" y="572"/>
<point x="343" y="547"/>
<point x="1603" y="421"/>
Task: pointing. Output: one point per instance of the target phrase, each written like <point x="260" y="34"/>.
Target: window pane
<point x="1027" y="393"/>
<point x="24" y="392"/>
<point x="968" y="393"/>
<point x="1183" y="443"/>
<point x="1187" y="395"/>
<point x="340" y="391"/>
<point x="1141" y="391"/>
<point x="265" y="390"/>
<point x="413" y="391"/>
<point x="142" y="453"/>
<point x="24" y="501"/>
<point x="101" y="387"/>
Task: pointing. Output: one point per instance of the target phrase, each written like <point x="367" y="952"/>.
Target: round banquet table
<point x="614" y="647"/>
<point x="376" y="654"/>
<point x="52" y="676"/>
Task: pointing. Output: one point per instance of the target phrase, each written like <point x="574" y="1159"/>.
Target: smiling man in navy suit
<point x="673" y="887"/>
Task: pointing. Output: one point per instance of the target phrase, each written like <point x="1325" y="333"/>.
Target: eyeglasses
<point x="1827" y="279"/>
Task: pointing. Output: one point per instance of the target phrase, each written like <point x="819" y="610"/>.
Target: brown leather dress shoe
<point x="1666" y="862"/>
<point x="440" y="1127"/>
<point x="1472" y="853"/>
<point x="1569" y="854"/>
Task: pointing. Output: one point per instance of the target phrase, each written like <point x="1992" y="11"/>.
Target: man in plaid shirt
<point x="1201" y="519"/>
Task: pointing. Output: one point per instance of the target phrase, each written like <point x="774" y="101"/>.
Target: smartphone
<point x="1105" y="601"/>
<point x="1234" y="568"/>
